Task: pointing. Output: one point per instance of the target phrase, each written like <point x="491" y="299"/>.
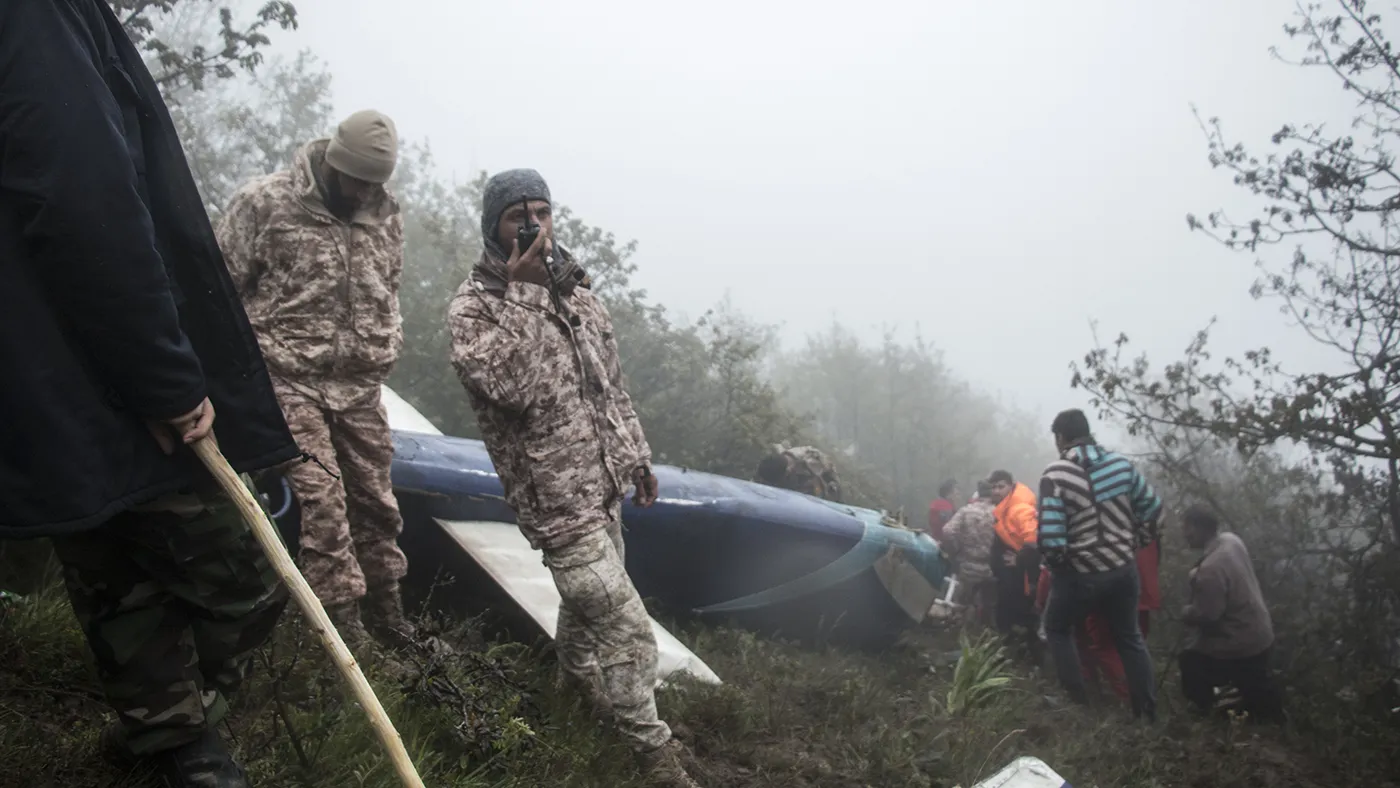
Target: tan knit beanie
<point x="365" y="146"/>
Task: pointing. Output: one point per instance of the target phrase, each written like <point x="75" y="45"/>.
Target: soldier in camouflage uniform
<point x="804" y="469"/>
<point x="967" y="539"/>
<point x="534" y="349"/>
<point x="174" y="595"/>
<point x="121" y="335"/>
<point x="316" y="254"/>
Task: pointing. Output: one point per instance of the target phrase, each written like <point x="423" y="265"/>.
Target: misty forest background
<point x="713" y="393"/>
<point x="1305" y="465"/>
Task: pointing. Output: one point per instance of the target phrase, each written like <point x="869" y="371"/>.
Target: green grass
<point x="786" y="716"/>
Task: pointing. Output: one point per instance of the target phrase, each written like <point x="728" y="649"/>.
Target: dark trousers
<point x="1202" y="673"/>
<point x="1113" y="597"/>
<point x="173" y="599"/>
<point x="1015" y="611"/>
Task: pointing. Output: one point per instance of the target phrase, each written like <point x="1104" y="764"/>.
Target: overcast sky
<point x="996" y="173"/>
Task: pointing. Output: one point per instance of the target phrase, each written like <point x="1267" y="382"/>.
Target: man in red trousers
<point x="1098" y="656"/>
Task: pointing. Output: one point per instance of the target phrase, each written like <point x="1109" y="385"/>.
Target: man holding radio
<point x="534" y="349"/>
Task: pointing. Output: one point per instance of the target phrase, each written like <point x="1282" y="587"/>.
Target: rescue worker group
<point x="130" y="318"/>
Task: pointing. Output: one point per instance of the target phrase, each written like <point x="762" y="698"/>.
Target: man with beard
<point x="120" y="335"/>
<point x="316" y="254"/>
<point x="534" y="349"/>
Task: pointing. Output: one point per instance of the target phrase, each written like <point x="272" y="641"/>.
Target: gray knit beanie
<point x="503" y="190"/>
<point x="365" y="146"/>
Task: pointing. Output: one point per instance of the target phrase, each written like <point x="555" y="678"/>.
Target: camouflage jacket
<point x="549" y="398"/>
<point x="967" y="539"/>
<point x="810" y="471"/>
<point x="322" y="294"/>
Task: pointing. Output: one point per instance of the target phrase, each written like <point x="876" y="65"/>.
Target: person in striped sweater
<point x="1096" y="511"/>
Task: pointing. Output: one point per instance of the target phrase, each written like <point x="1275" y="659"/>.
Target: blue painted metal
<point x="711" y="544"/>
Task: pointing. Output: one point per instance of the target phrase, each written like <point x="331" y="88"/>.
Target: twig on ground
<point x="997" y="746"/>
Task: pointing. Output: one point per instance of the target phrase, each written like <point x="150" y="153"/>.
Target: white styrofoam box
<point x="1025" y="773"/>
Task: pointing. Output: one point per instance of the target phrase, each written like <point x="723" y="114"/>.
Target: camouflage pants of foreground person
<point x="173" y="597"/>
<point x="349" y="527"/>
<point x="604" y="637"/>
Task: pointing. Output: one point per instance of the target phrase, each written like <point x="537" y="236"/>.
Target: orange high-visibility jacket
<point x="1017" y="520"/>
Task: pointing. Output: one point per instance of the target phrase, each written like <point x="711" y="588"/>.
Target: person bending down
<point x="1231" y="633"/>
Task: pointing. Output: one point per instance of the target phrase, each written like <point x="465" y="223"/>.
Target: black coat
<point x="115" y="304"/>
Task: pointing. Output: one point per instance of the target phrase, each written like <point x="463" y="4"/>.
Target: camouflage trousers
<point x="349" y="527"/>
<point x="604" y="637"/>
<point x="173" y="597"/>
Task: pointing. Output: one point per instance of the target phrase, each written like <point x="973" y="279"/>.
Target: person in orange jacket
<point x="1098" y="654"/>
<point x="1015" y="559"/>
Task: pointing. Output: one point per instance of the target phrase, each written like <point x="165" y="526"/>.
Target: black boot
<point x="203" y="763"/>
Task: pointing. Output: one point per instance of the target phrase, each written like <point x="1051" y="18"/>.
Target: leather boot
<point x="203" y="763"/>
<point x="384" y="618"/>
<point x="346" y="618"/>
<point x="664" y="767"/>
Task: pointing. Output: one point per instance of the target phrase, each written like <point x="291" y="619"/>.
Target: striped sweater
<point x="1096" y="510"/>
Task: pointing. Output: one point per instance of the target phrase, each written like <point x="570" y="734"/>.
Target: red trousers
<point x="1098" y="654"/>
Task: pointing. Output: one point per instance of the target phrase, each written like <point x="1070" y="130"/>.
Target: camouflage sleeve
<point x="396" y="259"/>
<point x="953" y="533"/>
<point x="619" y="384"/>
<point x="237" y="232"/>
<point x="495" y="356"/>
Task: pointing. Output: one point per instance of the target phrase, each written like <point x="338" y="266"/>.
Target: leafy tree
<point x="1323" y="529"/>
<point x="442" y="239"/>
<point x="232" y="129"/>
<point x="231" y="136"/>
<point x="232" y="46"/>
<point x="1330" y="196"/>
<point x="701" y="392"/>
<point x="702" y="389"/>
<point x="900" y="422"/>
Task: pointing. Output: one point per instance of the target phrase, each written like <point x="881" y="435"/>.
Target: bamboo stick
<point x="267" y="536"/>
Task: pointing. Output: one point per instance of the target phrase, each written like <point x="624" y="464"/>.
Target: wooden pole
<point x="271" y="542"/>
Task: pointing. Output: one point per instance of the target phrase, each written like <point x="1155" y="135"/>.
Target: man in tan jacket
<point x="535" y="351"/>
<point x="316" y="254"/>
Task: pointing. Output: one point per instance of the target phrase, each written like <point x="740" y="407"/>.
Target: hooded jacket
<point x="322" y="293"/>
<point x="1016" y="518"/>
<point x="115" y="305"/>
<point x="549" y="396"/>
